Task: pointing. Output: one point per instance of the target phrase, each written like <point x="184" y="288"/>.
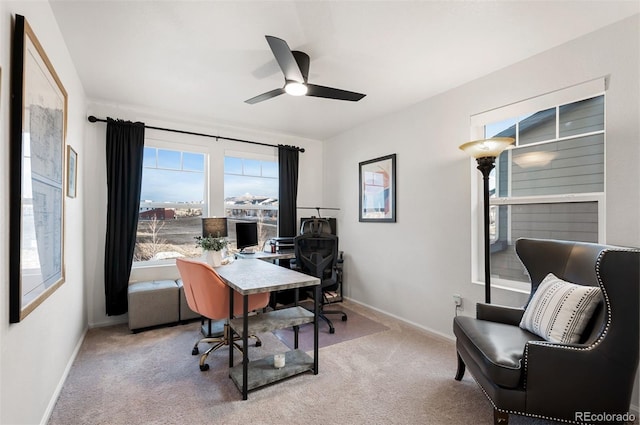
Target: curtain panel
<point x="125" y="150"/>
<point x="288" y="158"/>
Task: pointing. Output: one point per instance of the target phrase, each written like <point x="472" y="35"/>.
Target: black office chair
<point x="317" y="255"/>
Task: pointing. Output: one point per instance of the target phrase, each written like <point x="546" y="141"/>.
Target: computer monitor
<point x="246" y="234"/>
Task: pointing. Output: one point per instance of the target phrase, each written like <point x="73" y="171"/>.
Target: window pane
<point x="168" y="232"/>
<point x="251" y="167"/>
<point x="506" y="128"/>
<point x="563" y="167"/>
<point x="251" y="196"/>
<point x="165" y="233"/>
<point x="172" y="186"/>
<point x="270" y="169"/>
<point x="232" y="165"/>
<point x="193" y="161"/>
<point x="537" y="127"/>
<point x="169" y="159"/>
<point x="575" y="221"/>
<point x="582" y="117"/>
<point x="149" y="157"/>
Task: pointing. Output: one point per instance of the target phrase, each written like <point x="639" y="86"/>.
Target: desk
<point x="252" y="277"/>
<point x="268" y="256"/>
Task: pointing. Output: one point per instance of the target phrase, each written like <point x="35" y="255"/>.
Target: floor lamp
<point x="485" y="152"/>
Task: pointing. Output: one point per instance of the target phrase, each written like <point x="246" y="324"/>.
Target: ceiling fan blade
<point x="285" y="59"/>
<point x="265" y="96"/>
<point x="331" y="93"/>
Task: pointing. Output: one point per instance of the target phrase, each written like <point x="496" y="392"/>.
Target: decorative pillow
<point x="560" y="310"/>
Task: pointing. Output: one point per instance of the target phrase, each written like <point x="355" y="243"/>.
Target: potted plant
<point x="212" y="247"/>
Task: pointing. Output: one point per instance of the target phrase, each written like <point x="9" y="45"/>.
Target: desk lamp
<point x="215" y="227"/>
<point x="485" y="152"/>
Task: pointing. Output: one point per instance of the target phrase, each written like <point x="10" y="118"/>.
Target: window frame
<point x="557" y="98"/>
<point x="251" y="156"/>
<point x="151" y="142"/>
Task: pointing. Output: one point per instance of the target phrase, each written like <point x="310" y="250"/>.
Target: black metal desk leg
<point x="245" y="346"/>
<point x="229" y="330"/>
<point x="296" y="299"/>
<point x="316" y="316"/>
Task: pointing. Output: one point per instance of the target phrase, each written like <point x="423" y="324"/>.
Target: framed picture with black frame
<point x="37" y="185"/>
<point x="378" y="190"/>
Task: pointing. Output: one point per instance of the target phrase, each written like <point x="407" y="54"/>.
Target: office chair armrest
<point x="499" y="313"/>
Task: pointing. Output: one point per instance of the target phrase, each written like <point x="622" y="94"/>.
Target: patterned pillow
<point x="559" y="310"/>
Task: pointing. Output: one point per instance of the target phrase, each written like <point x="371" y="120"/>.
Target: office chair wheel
<point x="204" y="367"/>
<point x="332" y="330"/>
<point x="344" y="318"/>
<point x="258" y="343"/>
<point x="195" y="351"/>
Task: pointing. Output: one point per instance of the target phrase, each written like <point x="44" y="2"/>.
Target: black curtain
<point x="288" y="158"/>
<point x="125" y="149"/>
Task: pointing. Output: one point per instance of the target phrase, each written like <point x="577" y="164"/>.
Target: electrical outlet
<point x="457" y="300"/>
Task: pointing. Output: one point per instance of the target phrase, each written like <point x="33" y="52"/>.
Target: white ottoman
<point x="153" y="303"/>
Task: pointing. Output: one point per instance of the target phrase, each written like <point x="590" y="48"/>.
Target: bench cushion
<point x="497" y="348"/>
<point x="153" y="303"/>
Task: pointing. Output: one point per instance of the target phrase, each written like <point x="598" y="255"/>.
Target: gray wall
<point x="411" y="268"/>
<point x="36" y="353"/>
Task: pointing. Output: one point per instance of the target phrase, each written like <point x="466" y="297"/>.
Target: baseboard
<point x="63" y="379"/>
<point x="116" y="320"/>
<point x="430" y="331"/>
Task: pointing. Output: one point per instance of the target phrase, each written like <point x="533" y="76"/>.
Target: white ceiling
<point x="203" y="59"/>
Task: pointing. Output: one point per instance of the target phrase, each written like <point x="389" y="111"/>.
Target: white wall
<point x="35" y="353"/>
<point x="411" y="268"/>
<point x="309" y="190"/>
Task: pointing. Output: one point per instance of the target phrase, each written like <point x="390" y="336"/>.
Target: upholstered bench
<point x="153" y="303"/>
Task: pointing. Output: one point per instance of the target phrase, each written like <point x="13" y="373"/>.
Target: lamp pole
<point x="485" y="152"/>
<point x="485" y="165"/>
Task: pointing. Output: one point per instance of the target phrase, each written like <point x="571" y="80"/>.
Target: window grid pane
<point x="575" y="221"/>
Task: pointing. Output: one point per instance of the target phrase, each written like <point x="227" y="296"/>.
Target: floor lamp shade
<point x="214" y="226"/>
<point x="485" y="152"/>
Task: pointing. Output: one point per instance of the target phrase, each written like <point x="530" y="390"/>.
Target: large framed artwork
<point x="378" y="189"/>
<point x="37" y="152"/>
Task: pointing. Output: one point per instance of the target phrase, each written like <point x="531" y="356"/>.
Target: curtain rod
<point x="93" y="119"/>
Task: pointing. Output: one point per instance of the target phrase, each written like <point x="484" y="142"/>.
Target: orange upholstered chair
<point x="208" y="295"/>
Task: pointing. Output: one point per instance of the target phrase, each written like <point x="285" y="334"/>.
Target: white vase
<point x="214" y="258"/>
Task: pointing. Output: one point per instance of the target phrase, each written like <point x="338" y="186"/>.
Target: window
<point x="251" y="193"/>
<point x="172" y="203"/>
<point x="550" y="184"/>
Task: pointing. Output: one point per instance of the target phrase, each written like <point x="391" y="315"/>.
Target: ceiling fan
<point x="295" y="67"/>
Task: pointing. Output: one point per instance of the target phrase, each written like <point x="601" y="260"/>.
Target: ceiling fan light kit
<point x="295" y="67"/>
<point x="295" y="88"/>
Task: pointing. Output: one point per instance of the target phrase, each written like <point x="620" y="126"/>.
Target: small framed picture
<point x="72" y="172"/>
<point x="378" y="189"/>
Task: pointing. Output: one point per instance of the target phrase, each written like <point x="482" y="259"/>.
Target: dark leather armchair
<point x="521" y="373"/>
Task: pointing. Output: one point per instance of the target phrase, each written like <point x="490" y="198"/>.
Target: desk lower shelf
<point x="273" y="320"/>
<point x="262" y="372"/>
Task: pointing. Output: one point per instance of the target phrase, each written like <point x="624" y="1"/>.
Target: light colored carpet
<point x="397" y="376"/>
<point x="356" y="326"/>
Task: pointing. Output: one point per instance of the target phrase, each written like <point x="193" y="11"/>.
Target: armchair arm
<point x="499" y="313"/>
<point x="562" y="378"/>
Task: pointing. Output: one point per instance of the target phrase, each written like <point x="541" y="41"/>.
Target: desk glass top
<point x="254" y="276"/>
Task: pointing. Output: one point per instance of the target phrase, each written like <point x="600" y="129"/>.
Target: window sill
<point x="153" y="264"/>
<point x="507" y="285"/>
